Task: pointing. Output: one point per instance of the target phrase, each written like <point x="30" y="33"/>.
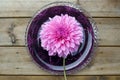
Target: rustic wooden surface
<point x="16" y="63"/>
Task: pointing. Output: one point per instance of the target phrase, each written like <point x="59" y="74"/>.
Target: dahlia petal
<point x="71" y="50"/>
<point x="72" y="41"/>
<point x="66" y="52"/>
<point x="68" y="38"/>
<point x="50" y="53"/>
<point x="67" y="44"/>
<point x="77" y="37"/>
<point x="62" y="47"/>
<point x="59" y="50"/>
<point x="57" y="45"/>
<point x="60" y="54"/>
<point x="72" y="45"/>
<point x="76" y="48"/>
<point x="47" y="47"/>
<point x="77" y="42"/>
<point x="62" y="41"/>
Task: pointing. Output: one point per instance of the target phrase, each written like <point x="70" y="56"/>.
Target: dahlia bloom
<point x="61" y="35"/>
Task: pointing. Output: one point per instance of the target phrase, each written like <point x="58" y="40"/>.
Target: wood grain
<point x="108" y="28"/>
<point x="102" y="8"/>
<point x="16" y="61"/>
<point x="59" y="77"/>
<point x="25" y="8"/>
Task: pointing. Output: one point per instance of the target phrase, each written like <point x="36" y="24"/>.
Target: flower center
<point x="62" y="33"/>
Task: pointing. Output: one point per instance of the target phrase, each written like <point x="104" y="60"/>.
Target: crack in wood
<point x="11" y="34"/>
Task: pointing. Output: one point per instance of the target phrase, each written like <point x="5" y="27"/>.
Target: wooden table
<point x="16" y="63"/>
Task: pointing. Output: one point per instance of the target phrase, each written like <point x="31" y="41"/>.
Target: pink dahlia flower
<point x="61" y="35"/>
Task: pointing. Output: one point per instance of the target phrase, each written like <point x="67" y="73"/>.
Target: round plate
<point x="53" y="63"/>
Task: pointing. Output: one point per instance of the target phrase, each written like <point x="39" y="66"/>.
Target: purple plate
<point x="55" y="64"/>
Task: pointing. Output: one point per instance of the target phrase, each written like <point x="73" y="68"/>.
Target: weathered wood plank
<point x="22" y="8"/>
<point x="59" y="77"/>
<point x="109" y="30"/>
<point x="102" y="8"/>
<point x="16" y="61"/>
<point x="16" y="26"/>
<point x="25" y="8"/>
